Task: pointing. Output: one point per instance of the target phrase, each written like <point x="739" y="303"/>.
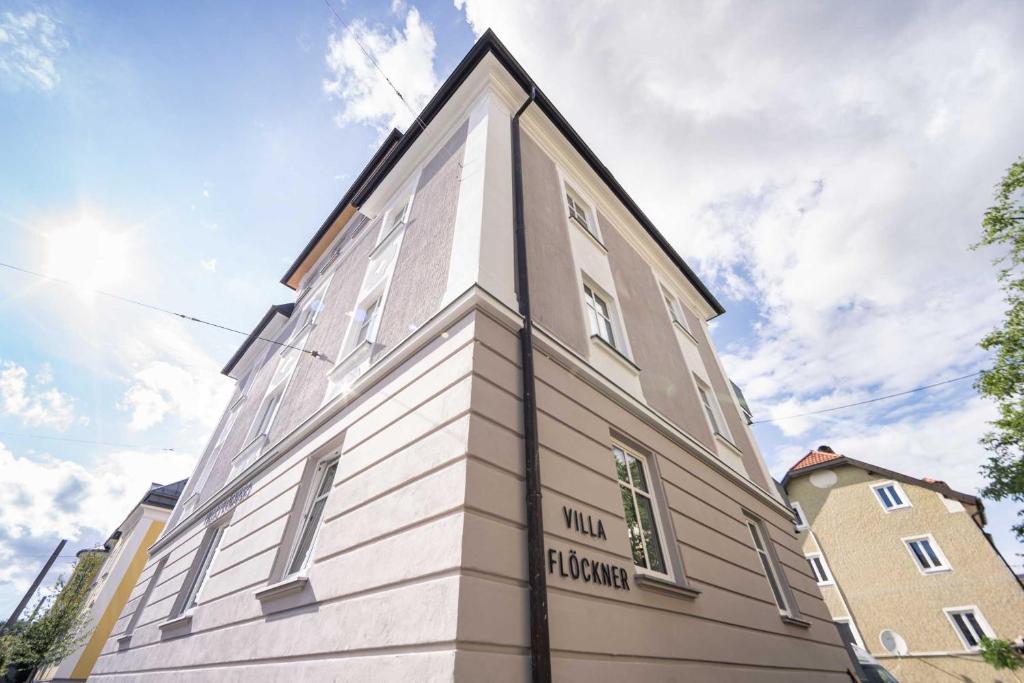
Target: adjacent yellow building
<point x="905" y="566"/>
<point x="128" y="550"/>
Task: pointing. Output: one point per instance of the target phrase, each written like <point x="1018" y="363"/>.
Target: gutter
<point x="540" y="641"/>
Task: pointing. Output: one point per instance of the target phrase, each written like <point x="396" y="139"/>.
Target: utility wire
<point x="68" y="283"/>
<point x="86" y="441"/>
<point x="870" y="400"/>
<point x="377" y="66"/>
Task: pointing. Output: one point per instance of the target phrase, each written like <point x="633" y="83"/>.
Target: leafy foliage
<point x="60" y="630"/>
<point x="1003" y="226"/>
<point x="1001" y="654"/>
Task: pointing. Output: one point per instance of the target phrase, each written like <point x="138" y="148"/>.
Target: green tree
<point x="61" y="628"/>
<point x="1002" y="654"/>
<point x="1003" y="226"/>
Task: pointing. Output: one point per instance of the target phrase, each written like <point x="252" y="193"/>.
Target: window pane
<point x="884" y="497"/>
<point x="972" y="620"/>
<point x="620" y="464"/>
<point x="327" y="480"/>
<point x="608" y="335"/>
<point x="633" y="527"/>
<point x="204" y="566"/>
<point x="636" y="473"/>
<point x="927" y="546"/>
<point x="756" y="535"/>
<point x="814" y="568"/>
<point x="965" y="629"/>
<point x="306" y="539"/>
<point x="650" y="529"/>
<point x="771" y="581"/>
<point x="894" y="495"/>
<point x="915" y="547"/>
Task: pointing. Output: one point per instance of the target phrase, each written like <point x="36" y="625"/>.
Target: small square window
<point x="580" y="213"/>
<point x="798" y="517"/>
<point x="891" y="496"/>
<point x="820" y="569"/>
<point x="970" y="626"/>
<point x="927" y="554"/>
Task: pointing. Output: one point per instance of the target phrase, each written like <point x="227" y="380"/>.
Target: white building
<point x="435" y="494"/>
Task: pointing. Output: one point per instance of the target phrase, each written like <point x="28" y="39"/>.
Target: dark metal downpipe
<point x="540" y="642"/>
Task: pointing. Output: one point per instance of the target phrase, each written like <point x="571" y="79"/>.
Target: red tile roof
<point x="814" y="458"/>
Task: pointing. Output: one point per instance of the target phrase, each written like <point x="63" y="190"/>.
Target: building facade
<point x="905" y="567"/>
<point x="408" y="486"/>
<point x="126" y="553"/>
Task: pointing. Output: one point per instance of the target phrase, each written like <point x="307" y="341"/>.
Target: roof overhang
<point x="395" y="147"/>
<point x="842" y="460"/>
<point x="271" y="322"/>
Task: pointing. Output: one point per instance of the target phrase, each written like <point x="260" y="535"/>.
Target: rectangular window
<point x="970" y="626"/>
<point x="396" y="218"/>
<point x="312" y="517"/>
<point x="638" y="505"/>
<point x="771" y="572"/>
<point x="207" y="551"/>
<point x="927" y="554"/>
<point x="891" y="496"/>
<point x="367" y="322"/>
<point x="154" y="578"/>
<point x="714" y="412"/>
<point x="675" y="310"/>
<point x="600" y="316"/>
<point x="820" y="569"/>
<point x="267" y="413"/>
<point x="580" y="212"/>
<point x="798" y="516"/>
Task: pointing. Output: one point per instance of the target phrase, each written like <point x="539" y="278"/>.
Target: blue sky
<point x="823" y="168"/>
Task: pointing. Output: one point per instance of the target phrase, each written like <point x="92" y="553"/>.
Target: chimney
<point x="825" y="449"/>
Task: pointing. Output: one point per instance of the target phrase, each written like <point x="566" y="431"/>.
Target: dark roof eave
<point x="489" y="43"/>
<point x="283" y="309"/>
<point x="382" y="151"/>
<point x="945" y="490"/>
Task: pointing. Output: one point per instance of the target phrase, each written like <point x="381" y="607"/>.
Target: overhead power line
<point x="85" y="441"/>
<point x="190" y="318"/>
<point x="870" y="400"/>
<point x="377" y="66"/>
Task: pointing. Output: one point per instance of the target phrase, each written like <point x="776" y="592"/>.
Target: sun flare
<point x="87" y="255"/>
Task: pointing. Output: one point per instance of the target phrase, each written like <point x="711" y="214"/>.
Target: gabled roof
<point x="826" y="459"/>
<point x="394" y="148"/>
<point x="164" y="496"/>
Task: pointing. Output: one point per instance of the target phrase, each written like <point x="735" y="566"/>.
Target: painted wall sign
<point x="584" y="524"/>
<point x="589" y="570"/>
<point x="228" y="503"/>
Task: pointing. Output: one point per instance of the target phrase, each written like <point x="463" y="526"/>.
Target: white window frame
<point x="773" y="573"/>
<point x="396" y="217"/>
<point x="618" y="341"/>
<point x="821" y="571"/>
<point x="582" y="201"/>
<point x="978" y="616"/>
<point x="676" y="311"/>
<point x="652" y="496"/>
<point x="713" y="410"/>
<point x="876" y="491"/>
<point x="943" y="565"/>
<point x="853" y="629"/>
<point x="800" y="518"/>
<point x="208" y="552"/>
<point x="265" y="416"/>
<point x="317" y="481"/>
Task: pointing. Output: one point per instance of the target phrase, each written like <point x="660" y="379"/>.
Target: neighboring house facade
<point x="905" y="566"/>
<point x="127" y="552"/>
<point x="434" y="495"/>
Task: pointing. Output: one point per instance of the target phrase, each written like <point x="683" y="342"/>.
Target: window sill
<point x="174" y="627"/>
<point x="685" y="331"/>
<point x="593" y="238"/>
<point x="654" y="583"/>
<point x="615" y="353"/>
<point x="290" y="586"/>
<point x="728" y="443"/>
<point x="795" y="621"/>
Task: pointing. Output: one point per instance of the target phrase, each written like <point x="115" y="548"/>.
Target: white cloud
<point x="830" y="164"/>
<point x="406" y="55"/>
<point x="51" y="498"/>
<point x="171" y="376"/>
<point x="30" y="44"/>
<point x="209" y="264"/>
<point x="32" y="401"/>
